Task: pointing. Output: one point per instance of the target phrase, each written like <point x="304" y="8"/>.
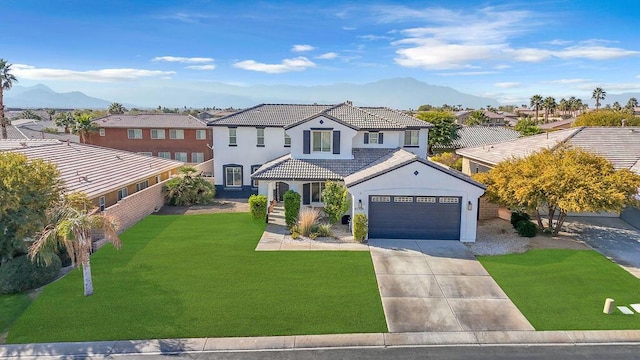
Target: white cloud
<point x="184" y="60"/>
<point x="507" y="85"/>
<point x="611" y="87"/>
<point x="567" y="81"/>
<point x="467" y="73"/>
<point x="594" y="52"/>
<point x="327" y="56"/>
<point x="295" y="64"/>
<point x="102" y="75"/>
<point x="302" y="48"/>
<point x="374" y="37"/>
<point x="502" y="67"/>
<point x="202" y="67"/>
<point x="348" y="28"/>
<point x="434" y="54"/>
<point x="528" y="54"/>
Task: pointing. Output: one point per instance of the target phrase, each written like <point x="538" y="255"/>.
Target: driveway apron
<point x="438" y="286"/>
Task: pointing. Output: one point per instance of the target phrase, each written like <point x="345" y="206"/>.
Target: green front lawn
<point x="199" y="276"/>
<point x="12" y="306"/>
<point x="566" y="289"/>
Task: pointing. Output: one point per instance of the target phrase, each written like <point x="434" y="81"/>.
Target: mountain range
<point x="399" y="93"/>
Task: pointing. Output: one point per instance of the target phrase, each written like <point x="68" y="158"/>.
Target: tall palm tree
<point x="71" y="227"/>
<point x="632" y="103"/>
<point x="6" y="82"/>
<point x="66" y="120"/>
<point x="536" y="103"/>
<point x="116" y="108"/>
<point x="84" y="127"/>
<point x="563" y="106"/>
<point x="550" y="105"/>
<point x="598" y="94"/>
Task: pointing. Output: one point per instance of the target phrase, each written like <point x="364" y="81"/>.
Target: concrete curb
<point x="301" y="342"/>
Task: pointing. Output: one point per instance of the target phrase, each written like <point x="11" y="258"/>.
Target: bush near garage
<point x="291" y="207"/>
<point x="360" y="227"/>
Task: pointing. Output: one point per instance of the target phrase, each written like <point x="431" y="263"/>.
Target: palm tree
<point x="616" y="106"/>
<point x="563" y="106"/>
<point x="598" y="94"/>
<point x="66" y="120"/>
<point x="116" y="108"/>
<point x="84" y="127"/>
<point x="71" y="227"/>
<point x="549" y="104"/>
<point x="632" y="103"/>
<point x="536" y="103"/>
<point x="6" y="82"/>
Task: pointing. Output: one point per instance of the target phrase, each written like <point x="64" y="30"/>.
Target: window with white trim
<point x="426" y="199"/>
<point x="157" y="179"/>
<point x="316" y="191"/>
<point x="403" y="199"/>
<point x="181" y="156"/>
<point x="164" y="154"/>
<point x="176" y="134"/>
<point x="134" y="133"/>
<point x="260" y="136"/>
<point x="233" y="136"/>
<point x="146" y="153"/>
<point x="102" y="131"/>
<point x="321" y="140"/>
<point x="142" y="185"/>
<point x="373" y="138"/>
<point x="254" y="183"/>
<point x="102" y="203"/>
<point x="381" y="199"/>
<point x="122" y="193"/>
<point x="448" y="200"/>
<point x="233" y="176"/>
<point x="201" y="134"/>
<point x="157" y="133"/>
<point x="197" y="157"/>
<point x="287" y="140"/>
<point x="412" y="138"/>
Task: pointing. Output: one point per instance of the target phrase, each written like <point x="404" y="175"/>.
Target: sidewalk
<point x="300" y="342"/>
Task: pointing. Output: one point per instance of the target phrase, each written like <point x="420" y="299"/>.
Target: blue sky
<point x="507" y="50"/>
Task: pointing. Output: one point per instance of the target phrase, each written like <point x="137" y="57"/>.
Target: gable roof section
<point x="398" y="159"/>
<point x="522" y="147"/>
<point x="151" y="121"/>
<point x="283" y="115"/>
<point x="92" y="169"/>
<point x="472" y="136"/>
<point x="285" y="167"/>
<point x="620" y="145"/>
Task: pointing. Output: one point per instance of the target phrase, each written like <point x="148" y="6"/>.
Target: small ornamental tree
<point x="444" y="130"/>
<point x="558" y="181"/>
<point x="606" y="118"/>
<point x="189" y="189"/>
<point x="291" y="207"/>
<point x="336" y="200"/>
<point x="527" y="127"/>
<point x="258" y="206"/>
<point x="450" y="159"/>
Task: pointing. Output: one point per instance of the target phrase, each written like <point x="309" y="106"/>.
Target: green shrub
<point x="324" y="230"/>
<point x="360" y="227"/>
<point x="291" y="207"/>
<point x="336" y="200"/>
<point x="258" y="206"/>
<point x="450" y="159"/>
<point x="188" y="188"/>
<point x="21" y="274"/>
<point x="526" y="228"/>
<point x="517" y="216"/>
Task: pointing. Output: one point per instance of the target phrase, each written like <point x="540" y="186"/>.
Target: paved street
<point x="439" y="286"/>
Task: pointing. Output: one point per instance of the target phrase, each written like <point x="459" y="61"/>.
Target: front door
<point x="281" y="188"/>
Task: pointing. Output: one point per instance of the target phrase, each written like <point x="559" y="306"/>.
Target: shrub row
<point x="21" y="274"/>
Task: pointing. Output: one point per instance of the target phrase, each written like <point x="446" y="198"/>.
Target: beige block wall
<point x="137" y="206"/>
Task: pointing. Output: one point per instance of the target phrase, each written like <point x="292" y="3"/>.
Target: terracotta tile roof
<point x="162" y="121"/>
<point x="287" y="115"/>
<point x="620" y="145"/>
<point x="472" y="136"/>
<point x="92" y="169"/>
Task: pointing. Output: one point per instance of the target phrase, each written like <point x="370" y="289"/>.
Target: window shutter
<point x="306" y="193"/>
<point x="306" y="141"/>
<point x="380" y="138"/>
<point x="336" y="142"/>
<point x="366" y="138"/>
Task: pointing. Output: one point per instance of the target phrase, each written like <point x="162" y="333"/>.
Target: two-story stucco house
<point x="378" y="153"/>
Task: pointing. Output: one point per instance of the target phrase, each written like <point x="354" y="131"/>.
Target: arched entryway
<point x="281" y="188"/>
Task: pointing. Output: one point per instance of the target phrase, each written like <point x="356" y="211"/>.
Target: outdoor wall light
<point x="469" y="206"/>
<point x="360" y="204"/>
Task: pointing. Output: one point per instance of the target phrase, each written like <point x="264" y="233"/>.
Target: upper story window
<point x="122" y="193"/>
<point x="181" y="156"/>
<point x="260" y="136"/>
<point x="201" y="134"/>
<point x="177" y="134"/>
<point x="157" y="133"/>
<point x="134" y="133"/>
<point x="233" y="137"/>
<point x="164" y="154"/>
<point x="142" y="185"/>
<point x="373" y="138"/>
<point x="411" y="138"/>
<point x="102" y="131"/>
<point x="287" y="140"/>
<point x="321" y="141"/>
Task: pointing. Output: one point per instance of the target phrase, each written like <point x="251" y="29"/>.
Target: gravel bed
<point x="497" y="237"/>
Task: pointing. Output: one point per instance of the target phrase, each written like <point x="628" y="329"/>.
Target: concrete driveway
<point x="439" y="286"/>
<point x="612" y="237"/>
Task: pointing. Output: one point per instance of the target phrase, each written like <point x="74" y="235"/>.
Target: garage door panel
<point x="414" y="217"/>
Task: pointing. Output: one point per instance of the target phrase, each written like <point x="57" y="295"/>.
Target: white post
<point x="608" y="306"/>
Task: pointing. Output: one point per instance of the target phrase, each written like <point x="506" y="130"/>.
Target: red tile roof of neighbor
<point x="161" y="121"/>
<point x="92" y="169"/>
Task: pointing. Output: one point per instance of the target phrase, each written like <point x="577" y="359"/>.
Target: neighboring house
<point x="472" y="136"/>
<point x="493" y="119"/>
<point x="557" y="125"/>
<point x="215" y="114"/>
<point x="109" y="177"/>
<point x="40" y="129"/>
<point x="171" y="136"/>
<point x="378" y="153"/>
<point x="636" y="111"/>
<point x="620" y="145"/>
